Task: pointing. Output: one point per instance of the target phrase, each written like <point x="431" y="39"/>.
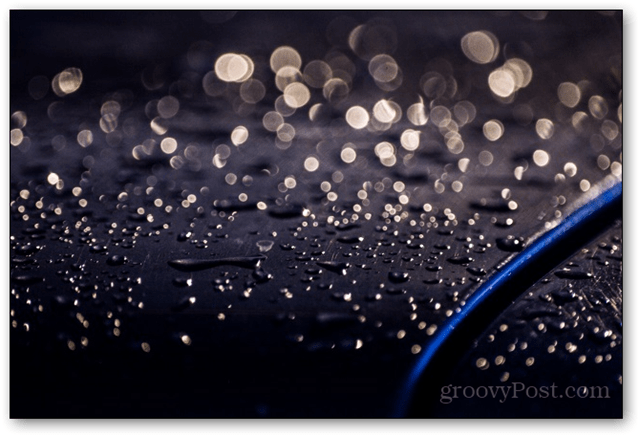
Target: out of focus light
<point x="521" y="70"/>
<point x="281" y="106"/>
<point x="585" y="185"/>
<point x="502" y="82"/>
<point x="609" y="130"/>
<point x="296" y="95"/>
<point x="335" y="90"/>
<point x="569" y="94"/>
<point x="286" y="76"/>
<point x="493" y="130"/>
<point x="168" y="106"/>
<point x="316" y="73"/>
<point x="384" y="150"/>
<point x="598" y="107"/>
<point x="159" y="126"/>
<point x="510" y="77"/>
<point x="578" y="119"/>
<point x="616" y="169"/>
<point x="85" y="138"/>
<point x="16" y="137"/>
<point x="272" y="120"/>
<point x="463" y="164"/>
<point x="410" y="139"/>
<point x="372" y="38"/>
<point x="239" y="135"/>
<point x="67" y="81"/>
<point x="440" y="116"/>
<point x="540" y="158"/>
<point x="53" y="178"/>
<point x="286" y="132"/>
<point x="348" y="154"/>
<point x="384" y="111"/>
<point x="481" y="47"/>
<point x="357" y="117"/>
<point x="232" y="67"/>
<point x="19" y="119"/>
<point x="383" y="68"/>
<point x="311" y="164"/>
<point x="285" y="56"/>
<point x="417" y="114"/>
<point x="169" y="145"/>
<point x="545" y="128"/>
<point x="620" y="112"/>
<point x="252" y="91"/>
<point x="603" y="162"/>
<point x="570" y="169"/>
<point x="465" y="112"/>
<point x="485" y="157"/>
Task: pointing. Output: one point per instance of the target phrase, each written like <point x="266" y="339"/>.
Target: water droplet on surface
<point x="476" y="271"/>
<point x="350" y="239"/>
<point x="116" y="260"/>
<point x="460" y="260"/>
<point x="510" y="243"/>
<point x="264" y="246"/>
<point x="398" y="276"/>
<point x="573" y="274"/>
<point x="334" y="266"/>
<point x="201" y="264"/>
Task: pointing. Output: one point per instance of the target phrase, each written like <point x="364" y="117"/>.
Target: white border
<point x="630" y="423"/>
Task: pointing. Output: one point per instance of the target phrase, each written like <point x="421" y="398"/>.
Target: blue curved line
<point x="531" y="253"/>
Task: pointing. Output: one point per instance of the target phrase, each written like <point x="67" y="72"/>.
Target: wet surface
<point x="565" y="331"/>
<point x="270" y="214"/>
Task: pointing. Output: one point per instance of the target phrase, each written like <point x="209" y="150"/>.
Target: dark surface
<point x="325" y="323"/>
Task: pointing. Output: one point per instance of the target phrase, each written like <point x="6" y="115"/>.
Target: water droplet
<point x="201" y="264"/>
<point x="264" y="246"/>
<point x="538" y="310"/>
<point x="350" y="239"/>
<point x="573" y="274"/>
<point x="510" y="243"/>
<point x="261" y="275"/>
<point x="460" y="260"/>
<point x="98" y="248"/>
<point x="334" y="266"/>
<point x="476" y="271"/>
<point x="26" y="279"/>
<point x="116" y="260"/>
<point x="398" y="276"/>
<point x="183" y="282"/>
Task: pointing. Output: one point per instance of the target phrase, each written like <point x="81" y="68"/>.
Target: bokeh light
<point x="493" y="130"/>
<point x="357" y="117"/>
<point x="569" y="94"/>
<point x="481" y="47"/>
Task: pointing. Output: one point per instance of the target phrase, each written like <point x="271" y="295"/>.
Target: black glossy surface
<point x="121" y="307"/>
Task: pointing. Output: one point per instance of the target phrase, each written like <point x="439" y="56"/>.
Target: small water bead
<point x="264" y="245"/>
<point x="510" y="243"/>
<point x="117" y="260"/>
<point x="398" y="276"/>
<point x="460" y="260"/>
<point x="573" y="274"/>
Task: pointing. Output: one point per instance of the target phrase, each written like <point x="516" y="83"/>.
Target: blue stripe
<point x="534" y="251"/>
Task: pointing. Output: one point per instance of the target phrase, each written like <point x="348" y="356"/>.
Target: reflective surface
<point x="270" y="214"/>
